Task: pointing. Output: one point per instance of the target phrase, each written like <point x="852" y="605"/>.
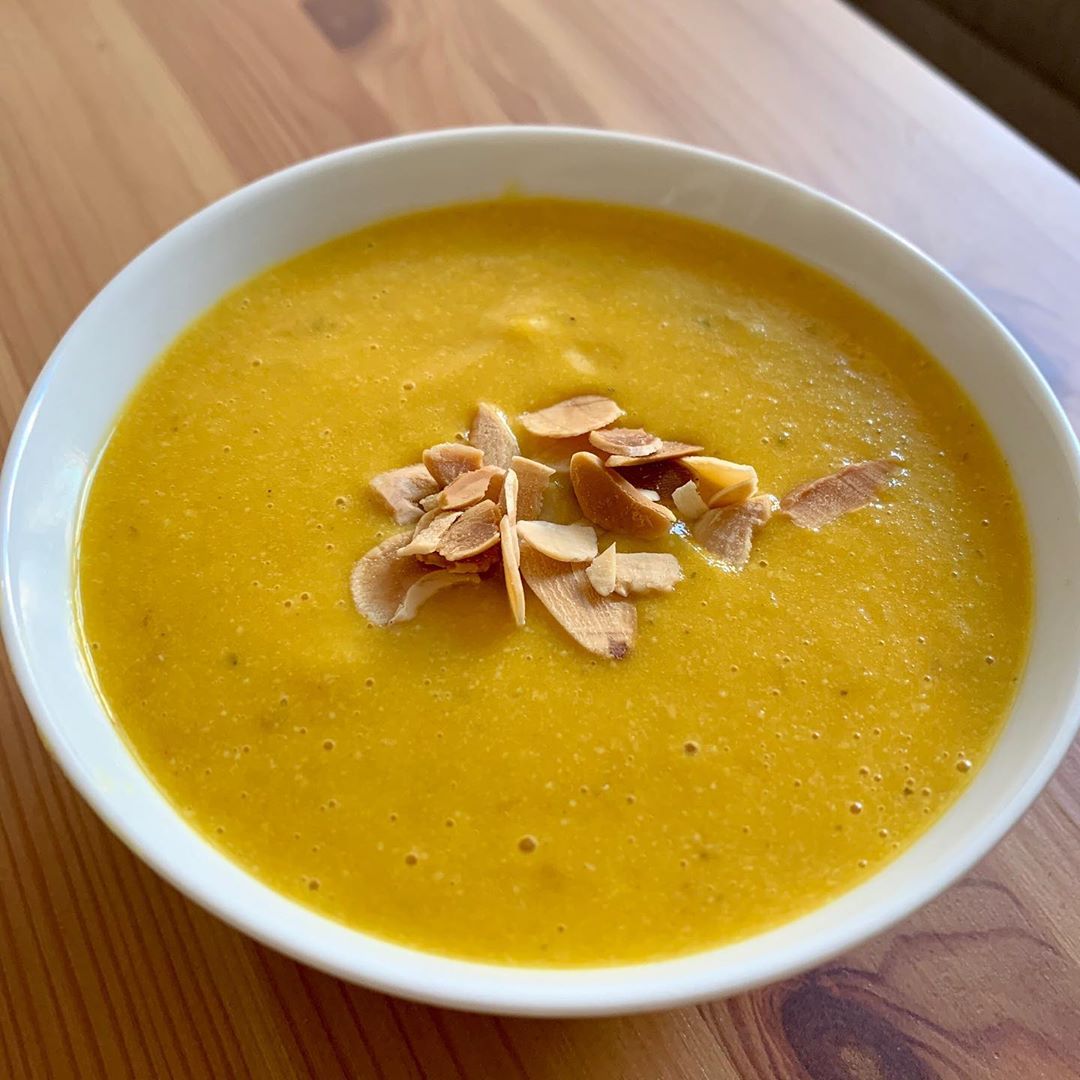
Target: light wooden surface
<point x="120" y="117"/>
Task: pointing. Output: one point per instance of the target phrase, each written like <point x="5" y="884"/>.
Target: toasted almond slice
<point x="614" y="504"/>
<point x="472" y="487"/>
<point x="630" y="442"/>
<point x="734" y="493"/>
<point x="402" y="489"/>
<point x="429" y="533"/>
<point x="448" y="460"/>
<point x="511" y="560"/>
<point x="479" y="564"/>
<point x="601" y="571"/>
<point x="646" y="571"/>
<point x="728" y="532"/>
<point x="495" y="489"/>
<point x="491" y="433"/>
<point x="667" y="451"/>
<point x="602" y="624"/>
<point x="818" y="502"/>
<point x="474" y="532"/>
<point x="533" y="477"/>
<point x="380" y="580"/>
<point x="425" y="520"/>
<point x="430" y="502"/>
<point x="566" y="543"/>
<point x="720" y="482"/>
<point x="663" y="477"/>
<point x="422" y="591"/>
<point x="648" y="493"/>
<point x="575" y="416"/>
<point x="688" y="501"/>
<point x="508" y="499"/>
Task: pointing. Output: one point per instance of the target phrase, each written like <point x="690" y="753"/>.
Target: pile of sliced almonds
<point x="471" y="506"/>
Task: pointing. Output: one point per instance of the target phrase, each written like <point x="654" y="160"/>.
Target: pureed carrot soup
<point x="759" y="656"/>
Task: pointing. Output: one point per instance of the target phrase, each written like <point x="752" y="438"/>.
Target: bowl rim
<point x="534" y="991"/>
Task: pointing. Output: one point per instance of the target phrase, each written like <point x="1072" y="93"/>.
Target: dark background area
<point x="1021" y="58"/>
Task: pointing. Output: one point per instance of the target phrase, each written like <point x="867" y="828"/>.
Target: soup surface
<point x="777" y="735"/>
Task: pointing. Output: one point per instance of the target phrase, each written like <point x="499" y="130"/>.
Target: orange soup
<point x="474" y="788"/>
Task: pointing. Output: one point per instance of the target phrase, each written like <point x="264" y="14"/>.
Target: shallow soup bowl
<point x="101" y="359"/>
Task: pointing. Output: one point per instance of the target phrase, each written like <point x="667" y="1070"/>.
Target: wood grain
<point x="118" y="118"/>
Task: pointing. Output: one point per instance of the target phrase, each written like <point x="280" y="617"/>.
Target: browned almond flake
<point x="402" y="490"/>
<point x="728" y="532"/>
<point x="663" y="477"/>
<point x="422" y="591"/>
<point x="601" y="571"/>
<point x="481" y="564"/>
<point x="722" y="480"/>
<point x="602" y="624"/>
<point x="474" y="532"/>
<point x="495" y="488"/>
<point x="614" y="504"/>
<point x="575" y="416"/>
<point x="447" y="461"/>
<point x="566" y="543"/>
<point x="533" y="477"/>
<point x="472" y="487"/>
<point x="646" y="571"/>
<point x="734" y="493"/>
<point x="818" y="502"/>
<point x="511" y="560"/>
<point x="667" y="451"/>
<point x="630" y="442"/>
<point x="425" y="520"/>
<point x="429" y="532"/>
<point x="380" y="580"/>
<point x="491" y="433"/>
<point x="508" y="497"/>
<point x="688" y="501"/>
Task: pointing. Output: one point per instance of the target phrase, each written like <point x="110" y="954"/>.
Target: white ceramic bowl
<point x="102" y="357"/>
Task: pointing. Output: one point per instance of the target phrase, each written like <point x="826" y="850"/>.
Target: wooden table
<point x="120" y="117"/>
